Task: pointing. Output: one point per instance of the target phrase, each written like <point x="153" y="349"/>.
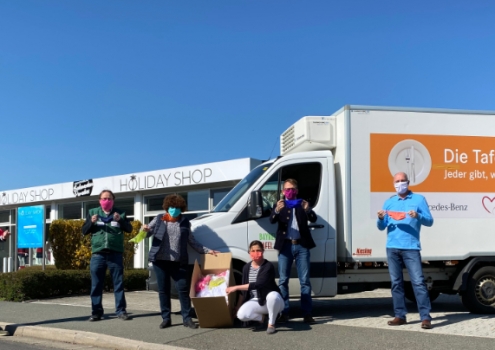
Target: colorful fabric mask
<point x="293" y="203"/>
<point x="401" y="187"/>
<point x="256" y="255"/>
<point x="396" y="215"/>
<point x="290" y="193"/>
<point x="106" y="204"/>
<point x="174" y="212"/>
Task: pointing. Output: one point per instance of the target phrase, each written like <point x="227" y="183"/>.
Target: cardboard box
<point x="213" y="312"/>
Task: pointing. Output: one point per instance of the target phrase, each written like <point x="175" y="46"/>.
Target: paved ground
<point x="344" y="322"/>
<point x="367" y="309"/>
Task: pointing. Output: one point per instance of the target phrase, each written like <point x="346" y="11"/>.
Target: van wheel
<point x="479" y="297"/>
<point x="409" y="293"/>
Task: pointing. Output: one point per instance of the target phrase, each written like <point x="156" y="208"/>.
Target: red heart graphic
<point x="485" y="202"/>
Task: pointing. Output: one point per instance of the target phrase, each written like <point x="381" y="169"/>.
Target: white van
<point x="344" y="164"/>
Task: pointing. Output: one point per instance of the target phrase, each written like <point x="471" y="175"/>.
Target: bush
<point x="32" y="283"/>
<point x="72" y="250"/>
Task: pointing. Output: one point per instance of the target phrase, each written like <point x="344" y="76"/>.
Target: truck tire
<point x="479" y="297"/>
<point x="409" y="293"/>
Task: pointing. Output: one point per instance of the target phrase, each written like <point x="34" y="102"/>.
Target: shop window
<point x="48" y="209"/>
<point x="5" y="216"/>
<point x="70" y="211"/>
<point x="217" y="195"/>
<point x="195" y="200"/>
<point x="126" y="205"/>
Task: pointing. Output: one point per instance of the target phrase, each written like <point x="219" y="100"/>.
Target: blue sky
<point x="100" y="88"/>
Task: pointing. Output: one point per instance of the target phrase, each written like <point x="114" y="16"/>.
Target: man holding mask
<point x="293" y="242"/>
<point x="107" y="225"/>
<point x="402" y="215"/>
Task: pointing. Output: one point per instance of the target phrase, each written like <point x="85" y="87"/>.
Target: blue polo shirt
<point x="404" y="234"/>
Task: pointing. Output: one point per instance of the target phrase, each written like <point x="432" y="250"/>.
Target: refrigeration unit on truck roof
<point x="309" y="134"/>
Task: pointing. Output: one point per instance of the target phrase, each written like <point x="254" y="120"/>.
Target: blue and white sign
<point x="30" y="226"/>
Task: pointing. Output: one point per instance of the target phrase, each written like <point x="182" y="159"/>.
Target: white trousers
<point x="251" y="310"/>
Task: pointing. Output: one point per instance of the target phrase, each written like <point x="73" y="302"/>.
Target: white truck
<point x="344" y="164"/>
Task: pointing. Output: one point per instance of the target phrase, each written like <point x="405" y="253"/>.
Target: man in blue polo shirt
<point x="402" y="215"/>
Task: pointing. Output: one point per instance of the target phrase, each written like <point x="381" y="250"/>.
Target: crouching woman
<point x="260" y="293"/>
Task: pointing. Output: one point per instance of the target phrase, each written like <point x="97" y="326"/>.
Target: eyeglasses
<point x="106" y="199"/>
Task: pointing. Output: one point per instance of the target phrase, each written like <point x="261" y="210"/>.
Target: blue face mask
<point x="174" y="212"/>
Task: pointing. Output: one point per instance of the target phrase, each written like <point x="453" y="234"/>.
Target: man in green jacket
<point x="107" y="225"/>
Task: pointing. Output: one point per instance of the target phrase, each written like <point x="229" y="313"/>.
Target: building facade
<point x="140" y="195"/>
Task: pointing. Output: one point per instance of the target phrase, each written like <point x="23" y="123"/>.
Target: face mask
<point x="401" y="187"/>
<point x="174" y="212"/>
<point x="290" y="193"/>
<point x="106" y="204"/>
<point x="256" y="255"/>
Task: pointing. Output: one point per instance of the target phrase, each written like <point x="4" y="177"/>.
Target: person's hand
<point x="213" y="252"/>
<point x="305" y="205"/>
<point x="280" y="205"/>
<point x="116" y="216"/>
<point x="6" y="233"/>
<point x="381" y="214"/>
<point x="145" y="228"/>
<point x="94" y="218"/>
<point x="230" y="289"/>
<point x="413" y="214"/>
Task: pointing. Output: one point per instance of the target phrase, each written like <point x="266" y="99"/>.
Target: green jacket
<point x="106" y="236"/>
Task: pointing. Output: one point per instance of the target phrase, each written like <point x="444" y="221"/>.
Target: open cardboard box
<point x="213" y="312"/>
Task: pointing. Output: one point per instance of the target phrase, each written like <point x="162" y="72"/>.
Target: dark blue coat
<point x="283" y="220"/>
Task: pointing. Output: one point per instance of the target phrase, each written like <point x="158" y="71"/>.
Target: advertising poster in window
<point x="30" y="226"/>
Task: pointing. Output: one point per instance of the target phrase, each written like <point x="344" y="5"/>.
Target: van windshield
<point x="233" y="196"/>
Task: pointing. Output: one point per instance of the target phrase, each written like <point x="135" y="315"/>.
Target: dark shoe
<point x="165" y="324"/>
<point x="94" y="318"/>
<point x="124" y="316"/>
<point x="426" y="324"/>
<point x="283" y="318"/>
<point x="190" y="324"/>
<point x="308" y="319"/>
<point x="397" y="321"/>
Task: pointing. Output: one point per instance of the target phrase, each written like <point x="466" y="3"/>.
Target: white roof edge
<point x="413" y="109"/>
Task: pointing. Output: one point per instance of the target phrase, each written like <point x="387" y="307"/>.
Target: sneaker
<point x="271" y="330"/>
<point x="283" y="318"/>
<point x="94" y="318"/>
<point x="190" y="324"/>
<point x="2" y="333"/>
<point x="308" y="319"/>
<point x="124" y="316"/>
<point x="165" y="324"/>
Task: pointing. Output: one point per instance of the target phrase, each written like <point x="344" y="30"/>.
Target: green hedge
<point x="33" y="283"/>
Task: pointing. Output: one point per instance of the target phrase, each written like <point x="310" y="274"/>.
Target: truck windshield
<point x="233" y="196"/>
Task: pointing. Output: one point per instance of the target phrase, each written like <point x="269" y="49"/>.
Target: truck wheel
<point x="479" y="297"/>
<point x="409" y="293"/>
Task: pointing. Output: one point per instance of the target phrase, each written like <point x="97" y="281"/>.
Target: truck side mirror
<point x="255" y="205"/>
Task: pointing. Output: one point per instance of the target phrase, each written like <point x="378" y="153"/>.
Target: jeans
<point x="286" y="256"/>
<point x="98" y="268"/>
<point x="164" y="270"/>
<point x="411" y="259"/>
